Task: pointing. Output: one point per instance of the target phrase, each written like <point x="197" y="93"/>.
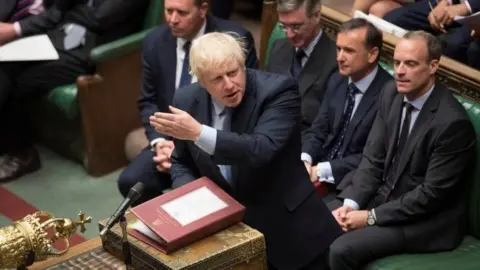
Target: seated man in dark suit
<point x="14" y="10"/>
<point x="333" y="145"/>
<point x="239" y="127"/>
<point x="440" y="20"/>
<point x="307" y="54"/>
<point x="408" y="193"/>
<point x="165" y="69"/>
<point x="75" y="28"/>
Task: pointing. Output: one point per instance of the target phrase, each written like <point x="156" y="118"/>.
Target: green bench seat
<point x="467" y="255"/>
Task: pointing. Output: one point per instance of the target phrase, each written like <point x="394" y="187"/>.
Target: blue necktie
<point x="352" y="91"/>
<point x="186" y="78"/>
<point x="297" y="63"/>
<point x="223" y="123"/>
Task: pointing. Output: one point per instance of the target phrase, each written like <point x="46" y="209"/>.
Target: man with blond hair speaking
<point x="240" y="128"/>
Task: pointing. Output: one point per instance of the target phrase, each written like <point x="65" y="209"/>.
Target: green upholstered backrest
<point x="277" y="33"/>
<point x="154" y="15"/>
<point x="473" y="110"/>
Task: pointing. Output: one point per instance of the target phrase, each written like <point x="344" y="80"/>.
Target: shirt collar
<point x="218" y="107"/>
<point x="420" y="101"/>
<point x="182" y="41"/>
<point x="310" y="47"/>
<point x="364" y="83"/>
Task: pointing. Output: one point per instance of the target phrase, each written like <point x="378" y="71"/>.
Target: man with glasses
<point x="306" y="53"/>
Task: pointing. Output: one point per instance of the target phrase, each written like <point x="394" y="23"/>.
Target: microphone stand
<point x="127" y="255"/>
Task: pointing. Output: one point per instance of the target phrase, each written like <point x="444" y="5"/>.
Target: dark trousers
<point x="21" y="82"/>
<point x="415" y="17"/>
<point x="474" y="54"/>
<point x="356" y="248"/>
<point x="143" y="169"/>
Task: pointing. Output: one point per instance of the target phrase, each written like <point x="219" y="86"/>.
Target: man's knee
<point x="339" y="254"/>
<point x="396" y="16"/>
<point x="127" y="179"/>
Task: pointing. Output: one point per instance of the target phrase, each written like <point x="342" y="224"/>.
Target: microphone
<point x="133" y="195"/>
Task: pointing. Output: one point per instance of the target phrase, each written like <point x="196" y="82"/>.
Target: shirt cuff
<point x="468" y="6"/>
<point x="18" y="29"/>
<point x="324" y="172"/>
<point x="207" y="140"/>
<point x="154" y="142"/>
<point x="351" y="203"/>
<point x="306" y="158"/>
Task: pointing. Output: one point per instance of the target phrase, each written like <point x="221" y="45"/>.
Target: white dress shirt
<point x="178" y="71"/>
<point x="417" y="105"/>
<point x="324" y="169"/>
<point x="310" y="47"/>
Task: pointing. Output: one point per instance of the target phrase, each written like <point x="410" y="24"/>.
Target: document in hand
<point x="34" y="48"/>
<point x="473" y="21"/>
<point x="185" y="215"/>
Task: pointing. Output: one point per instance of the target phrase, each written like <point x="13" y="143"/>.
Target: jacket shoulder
<point x="156" y="36"/>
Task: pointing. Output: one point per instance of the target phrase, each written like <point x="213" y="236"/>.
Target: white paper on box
<point x="193" y="206"/>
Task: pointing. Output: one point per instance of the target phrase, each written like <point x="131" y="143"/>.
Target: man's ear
<point x="434" y="65"/>
<point x="204" y="9"/>
<point x="373" y="55"/>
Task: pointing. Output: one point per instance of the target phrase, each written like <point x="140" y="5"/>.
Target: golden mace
<point x="26" y="241"/>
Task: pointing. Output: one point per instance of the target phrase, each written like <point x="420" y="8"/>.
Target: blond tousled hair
<point x="213" y="50"/>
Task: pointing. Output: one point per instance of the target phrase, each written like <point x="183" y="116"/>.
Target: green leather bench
<point x="467" y="255"/>
<point x="88" y="121"/>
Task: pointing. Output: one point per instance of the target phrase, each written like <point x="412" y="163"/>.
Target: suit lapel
<point x="169" y="56"/>
<point x="368" y="99"/>
<point x="241" y="117"/>
<point x="339" y="105"/>
<point x="312" y="69"/>
<point x="420" y="126"/>
<point x="395" y="118"/>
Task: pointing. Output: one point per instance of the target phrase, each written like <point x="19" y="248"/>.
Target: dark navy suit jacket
<point x="320" y="137"/>
<point x="270" y="180"/>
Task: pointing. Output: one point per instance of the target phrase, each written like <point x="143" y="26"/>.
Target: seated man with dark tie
<point x="333" y="145"/>
<point x="408" y="194"/>
<point x="75" y="28"/>
<point x="165" y="69"/>
<point x="307" y="53"/>
<point x="240" y="128"/>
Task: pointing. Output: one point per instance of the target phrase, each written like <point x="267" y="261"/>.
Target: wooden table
<point x="72" y="252"/>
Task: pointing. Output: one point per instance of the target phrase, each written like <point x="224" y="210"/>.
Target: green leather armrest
<point x="118" y="47"/>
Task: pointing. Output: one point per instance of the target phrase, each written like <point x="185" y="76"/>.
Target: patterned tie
<point x="352" y="91"/>
<point x="186" y="78"/>
<point x="22" y="9"/>
<point x="223" y="123"/>
<point x="297" y="63"/>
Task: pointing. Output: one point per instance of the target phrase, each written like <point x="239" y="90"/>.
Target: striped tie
<point x="22" y="9"/>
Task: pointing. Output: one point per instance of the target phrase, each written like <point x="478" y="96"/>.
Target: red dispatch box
<point x="186" y="215"/>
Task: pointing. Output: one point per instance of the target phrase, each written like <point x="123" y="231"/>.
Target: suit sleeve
<point x="147" y="102"/>
<point x="281" y="115"/>
<point x="474" y="5"/>
<point x="41" y="23"/>
<point x="182" y="170"/>
<point x="341" y="166"/>
<point x="313" y="139"/>
<point x="251" y="60"/>
<point x="452" y="153"/>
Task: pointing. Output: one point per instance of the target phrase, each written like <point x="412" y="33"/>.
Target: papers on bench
<point x="381" y="24"/>
<point x="473" y="21"/>
<point x="33" y="48"/>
